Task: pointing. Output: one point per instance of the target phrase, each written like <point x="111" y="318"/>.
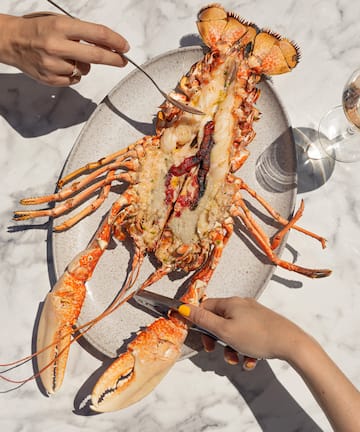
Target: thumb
<point x="202" y="317"/>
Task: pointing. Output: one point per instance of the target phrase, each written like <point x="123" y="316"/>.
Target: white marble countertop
<point x="38" y="128"/>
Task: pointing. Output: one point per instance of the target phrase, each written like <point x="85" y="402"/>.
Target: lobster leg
<point x="76" y="186"/>
<point x="240" y="184"/>
<point x="103" y="162"/>
<point x="104" y="185"/>
<point x="277" y="239"/>
<point x="241" y="210"/>
<point x="79" y="191"/>
<point x="94" y="205"/>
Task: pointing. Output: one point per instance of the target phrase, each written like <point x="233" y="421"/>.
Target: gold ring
<point x="75" y="72"/>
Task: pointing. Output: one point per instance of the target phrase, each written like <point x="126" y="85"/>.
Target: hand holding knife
<point x="161" y="305"/>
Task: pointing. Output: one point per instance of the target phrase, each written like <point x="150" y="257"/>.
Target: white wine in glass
<point x="339" y="129"/>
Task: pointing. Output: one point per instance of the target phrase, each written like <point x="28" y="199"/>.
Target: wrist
<point x="305" y="349"/>
<point x="295" y="343"/>
<point x="9" y="26"/>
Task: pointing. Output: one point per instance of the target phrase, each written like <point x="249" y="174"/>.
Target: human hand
<point x="245" y="325"/>
<point x="58" y="50"/>
<point x="257" y="331"/>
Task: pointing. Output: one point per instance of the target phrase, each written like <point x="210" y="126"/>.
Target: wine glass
<point x="339" y="129"/>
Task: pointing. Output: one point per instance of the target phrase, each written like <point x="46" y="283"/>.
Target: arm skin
<point x="256" y="331"/>
<point x="46" y="46"/>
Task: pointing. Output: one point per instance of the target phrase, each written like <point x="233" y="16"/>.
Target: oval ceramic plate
<point x="125" y="115"/>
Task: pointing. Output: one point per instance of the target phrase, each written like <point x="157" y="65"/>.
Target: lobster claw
<point x="60" y="312"/>
<point x="135" y="373"/>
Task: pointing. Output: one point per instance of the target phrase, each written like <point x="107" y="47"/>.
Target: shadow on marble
<point x="191" y="39"/>
<point x="33" y="350"/>
<point x="142" y="127"/>
<point x="275" y="168"/>
<point x="82" y="400"/>
<point x="25" y="227"/>
<point x="314" y="167"/>
<point x="34" y="109"/>
<point x="288" y="283"/>
<point x="258" y="254"/>
<point x="271" y="404"/>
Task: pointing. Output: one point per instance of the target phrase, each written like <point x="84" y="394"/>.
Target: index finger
<point x="216" y="305"/>
<point x="98" y="34"/>
<point x="202" y="318"/>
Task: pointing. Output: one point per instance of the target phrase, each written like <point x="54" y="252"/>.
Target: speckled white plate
<point x="126" y="114"/>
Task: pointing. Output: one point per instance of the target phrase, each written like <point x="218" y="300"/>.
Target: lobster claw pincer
<point x="54" y="332"/>
<point x="135" y="373"/>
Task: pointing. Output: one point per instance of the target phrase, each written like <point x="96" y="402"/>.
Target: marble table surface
<point x="38" y="126"/>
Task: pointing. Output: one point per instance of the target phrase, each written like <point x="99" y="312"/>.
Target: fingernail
<point x="184" y="310"/>
<point x="232" y="361"/>
<point x="126" y="46"/>
<point x="249" y="364"/>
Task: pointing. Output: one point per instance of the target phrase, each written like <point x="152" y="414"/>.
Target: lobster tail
<point x="268" y="52"/>
<point x="273" y="55"/>
<point x="219" y="29"/>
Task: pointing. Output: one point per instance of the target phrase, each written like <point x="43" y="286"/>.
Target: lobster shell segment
<point x="219" y="28"/>
<point x="274" y="55"/>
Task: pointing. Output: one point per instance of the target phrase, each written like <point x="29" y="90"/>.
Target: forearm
<point x="251" y="328"/>
<point x="336" y="395"/>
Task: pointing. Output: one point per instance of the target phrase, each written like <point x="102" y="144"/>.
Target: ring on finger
<point x="75" y="73"/>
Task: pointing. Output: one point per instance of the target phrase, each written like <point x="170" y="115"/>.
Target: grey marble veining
<point x="38" y="128"/>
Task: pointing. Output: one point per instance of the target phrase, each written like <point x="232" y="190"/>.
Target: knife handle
<point x="207" y="333"/>
<point x="249" y="363"/>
